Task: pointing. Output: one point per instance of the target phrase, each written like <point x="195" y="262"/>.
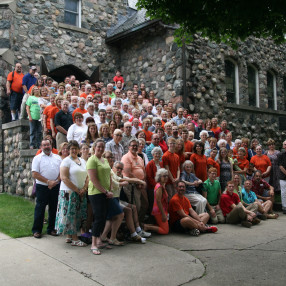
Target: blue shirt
<point x="178" y="120"/>
<point x="189" y="178"/>
<point x="248" y="198"/>
<point x="28" y="81"/>
<point x="149" y="150"/>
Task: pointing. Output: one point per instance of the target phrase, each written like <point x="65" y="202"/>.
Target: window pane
<point x="70" y="18"/>
<point x="230" y="81"/>
<point x="251" y="86"/>
<point x="71" y="5"/>
<point x="270" y="91"/>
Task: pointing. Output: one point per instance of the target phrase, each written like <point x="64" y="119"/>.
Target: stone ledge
<point x="28" y="153"/>
<point x="73" y="28"/>
<point x="16" y="123"/>
<point x="254" y="109"/>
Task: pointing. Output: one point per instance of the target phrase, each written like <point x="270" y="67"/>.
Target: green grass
<point x="16" y="216"/>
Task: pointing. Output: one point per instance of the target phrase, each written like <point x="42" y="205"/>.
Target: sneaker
<point x="246" y="223"/>
<point x="256" y="221"/>
<point x="212" y="229"/>
<point x="262" y="217"/>
<point x="138" y="239"/>
<point x="194" y="232"/>
<point x="144" y="234"/>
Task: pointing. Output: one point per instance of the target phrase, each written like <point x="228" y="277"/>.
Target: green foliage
<point x="221" y="20"/>
<point x="16" y="216"/>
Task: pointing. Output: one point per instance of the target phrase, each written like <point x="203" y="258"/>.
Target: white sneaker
<point x="137" y="238"/>
<point x="144" y="234"/>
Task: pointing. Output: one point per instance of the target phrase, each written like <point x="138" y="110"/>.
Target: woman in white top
<point x="78" y="130"/>
<point x="71" y="212"/>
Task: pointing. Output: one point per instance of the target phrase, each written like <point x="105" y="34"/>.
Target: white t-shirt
<point x="76" y="132"/>
<point x="77" y="173"/>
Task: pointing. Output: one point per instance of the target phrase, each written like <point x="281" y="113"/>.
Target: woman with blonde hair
<point x="104" y="132"/>
<point x="63" y="151"/>
<point x="91" y="134"/>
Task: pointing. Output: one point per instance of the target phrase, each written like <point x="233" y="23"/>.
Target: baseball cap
<point x="33" y="67"/>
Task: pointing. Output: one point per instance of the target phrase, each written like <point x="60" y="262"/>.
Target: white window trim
<point x="274" y="89"/>
<point x="236" y="79"/>
<point x="256" y="85"/>
<point x="78" y="24"/>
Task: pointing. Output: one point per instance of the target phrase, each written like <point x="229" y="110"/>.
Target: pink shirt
<point x="135" y="164"/>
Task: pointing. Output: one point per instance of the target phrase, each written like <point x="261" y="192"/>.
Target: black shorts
<point x="16" y="100"/>
<point x="177" y="227"/>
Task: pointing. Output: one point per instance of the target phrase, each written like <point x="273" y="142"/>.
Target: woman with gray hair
<point x="160" y="206"/>
<point x="204" y="138"/>
<point x="151" y="169"/>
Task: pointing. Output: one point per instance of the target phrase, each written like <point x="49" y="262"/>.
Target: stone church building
<point x="93" y="38"/>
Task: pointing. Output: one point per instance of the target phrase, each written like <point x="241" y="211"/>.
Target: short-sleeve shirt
<point x="77" y="173"/>
<point x="200" y="166"/>
<point x="188" y="146"/>
<point x="16" y="84"/>
<point x="148" y="135"/>
<point x="50" y="111"/>
<point x="189" y="178"/>
<point x="226" y="200"/>
<point x="259" y="187"/>
<point x="178" y="203"/>
<point x="261" y="162"/>
<point x="115" y="187"/>
<point x="35" y="109"/>
<point x="135" y="164"/>
<point x="215" y="164"/>
<point x="103" y="174"/>
<point x="243" y="163"/>
<point x="82" y="111"/>
<point x="63" y="119"/>
<point x="28" y="81"/>
<point x="173" y="161"/>
<point x="248" y="198"/>
<point x="212" y="190"/>
<point x="118" y="78"/>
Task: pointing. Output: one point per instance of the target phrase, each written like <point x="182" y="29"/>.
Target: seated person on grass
<point x="182" y="216"/>
<point x="212" y="192"/>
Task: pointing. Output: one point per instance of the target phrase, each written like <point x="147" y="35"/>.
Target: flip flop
<point x="104" y="245"/>
<point x="95" y="251"/>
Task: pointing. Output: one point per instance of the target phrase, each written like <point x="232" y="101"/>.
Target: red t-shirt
<point x="216" y="131"/>
<point x="178" y="203"/>
<point x="226" y="200"/>
<point x="243" y="163"/>
<point x="118" y="78"/>
<point x="200" y="166"/>
<point x="172" y="160"/>
<point x="189" y="146"/>
<point x="148" y="135"/>
<point x="163" y="146"/>
<point x="82" y="111"/>
<point x="182" y="159"/>
<point x="212" y="163"/>
<point x="16" y="81"/>
<point x="50" y="111"/>
<point x="261" y="162"/>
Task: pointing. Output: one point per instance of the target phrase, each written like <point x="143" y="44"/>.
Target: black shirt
<point x="63" y="119"/>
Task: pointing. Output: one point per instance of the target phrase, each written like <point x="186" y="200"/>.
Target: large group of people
<point x="109" y="153"/>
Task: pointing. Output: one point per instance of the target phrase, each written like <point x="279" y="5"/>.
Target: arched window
<point x="253" y="86"/>
<point x="231" y="81"/>
<point x="271" y="90"/>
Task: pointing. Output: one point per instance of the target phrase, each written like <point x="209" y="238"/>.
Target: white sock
<point x="13" y="116"/>
<point x="138" y="229"/>
<point x="134" y="234"/>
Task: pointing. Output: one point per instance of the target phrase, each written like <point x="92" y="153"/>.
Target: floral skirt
<point x="71" y="212"/>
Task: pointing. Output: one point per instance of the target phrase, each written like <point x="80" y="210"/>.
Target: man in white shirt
<point x="104" y="103"/>
<point x="89" y="113"/>
<point x="46" y="172"/>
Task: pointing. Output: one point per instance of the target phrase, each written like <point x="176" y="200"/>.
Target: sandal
<point x="104" y="245"/>
<point x="78" y="243"/>
<point x="272" y="216"/>
<point x="95" y="251"/>
<point x="68" y="240"/>
<point x="115" y="242"/>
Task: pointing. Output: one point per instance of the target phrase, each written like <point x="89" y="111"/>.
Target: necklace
<point x="78" y="163"/>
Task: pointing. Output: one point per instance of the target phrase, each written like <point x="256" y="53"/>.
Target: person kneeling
<point x="233" y="209"/>
<point x="182" y="216"/>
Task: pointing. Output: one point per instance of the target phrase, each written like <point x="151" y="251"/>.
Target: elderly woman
<point x="168" y="129"/>
<point x="262" y="163"/>
<point x="77" y="130"/>
<point x="192" y="186"/>
<point x="72" y="212"/>
<point x="104" y="132"/>
<point x="91" y="134"/>
<point x="226" y="168"/>
<point x="251" y="151"/>
<point x="99" y="191"/>
<point x="162" y="142"/>
<point x="204" y="138"/>
<point x="230" y="144"/>
<point x="213" y="142"/>
<point x="151" y="169"/>
<point x="141" y="150"/>
<point x="273" y="156"/>
<point x="200" y="161"/>
<point x="237" y="144"/>
<point x="221" y="143"/>
<point x="160" y="206"/>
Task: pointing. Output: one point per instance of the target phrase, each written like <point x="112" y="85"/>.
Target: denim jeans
<point x="45" y="197"/>
<point x="35" y="133"/>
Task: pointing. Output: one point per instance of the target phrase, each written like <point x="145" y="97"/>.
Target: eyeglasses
<point x="128" y="127"/>
<point x="109" y="157"/>
<point x="133" y="145"/>
<point x="119" y="168"/>
<point x="118" y="135"/>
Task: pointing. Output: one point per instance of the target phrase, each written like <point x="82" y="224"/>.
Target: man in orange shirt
<point x="171" y="163"/>
<point x="15" y="90"/>
<point x="188" y="144"/>
<point x="80" y="109"/>
<point x="148" y="134"/>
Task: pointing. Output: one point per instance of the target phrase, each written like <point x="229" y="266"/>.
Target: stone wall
<point x="17" y="159"/>
<point x="39" y="30"/>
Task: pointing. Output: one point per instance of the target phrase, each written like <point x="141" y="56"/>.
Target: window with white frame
<point x="73" y="12"/>
<point x="271" y="90"/>
<point x="231" y="81"/>
<point x="253" y="86"/>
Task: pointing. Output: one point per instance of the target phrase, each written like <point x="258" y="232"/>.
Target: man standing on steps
<point x="15" y="90"/>
<point x="46" y="172"/>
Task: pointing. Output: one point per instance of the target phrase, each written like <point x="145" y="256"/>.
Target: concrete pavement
<point x="232" y="256"/>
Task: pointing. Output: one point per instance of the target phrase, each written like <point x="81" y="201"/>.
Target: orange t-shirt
<point x="177" y="203"/>
<point x="55" y="151"/>
<point x="261" y="162"/>
<point x="182" y="159"/>
<point x="189" y="146"/>
<point x="16" y="81"/>
<point x="82" y="111"/>
<point x="216" y="131"/>
<point x="85" y="95"/>
<point x="173" y="161"/>
<point x="148" y="135"/>
<point x="243" y="163"/>
<point x="200" y="166"/>
<point x="50" y="111"/>
<point x="212" y="163"/>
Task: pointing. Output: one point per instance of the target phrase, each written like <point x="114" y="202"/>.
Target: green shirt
<point x="35" y="110"/>
<point x="239" y="193"/>
<point x="212" y="190"/>
<point x="103" y="174"/>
